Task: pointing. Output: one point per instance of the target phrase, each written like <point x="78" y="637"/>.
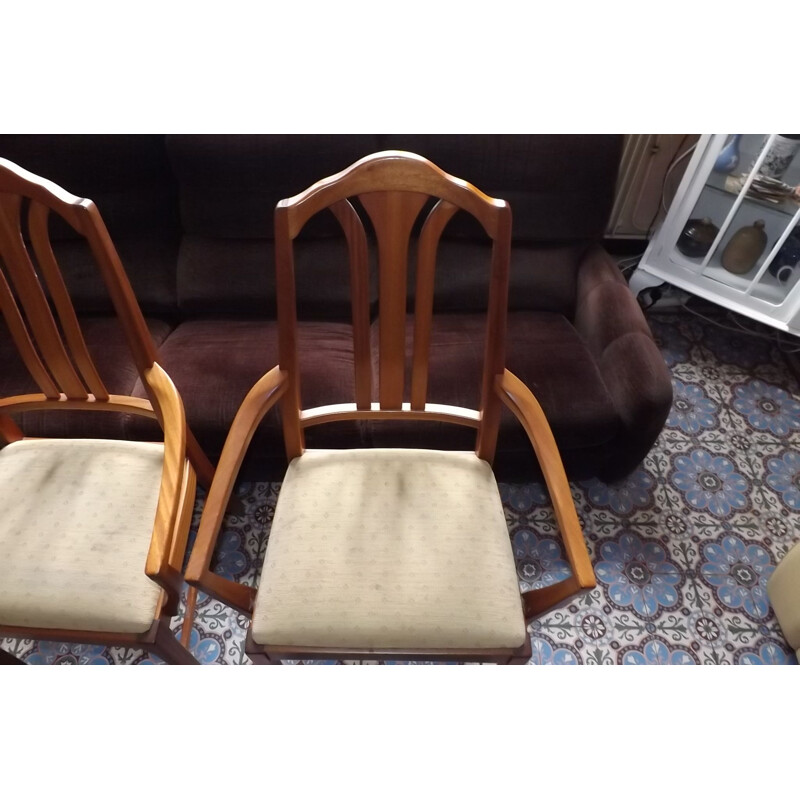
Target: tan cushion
<point x="783" y="589"/>
<point x="389" y="549"/>
<point x="77" y="518"/>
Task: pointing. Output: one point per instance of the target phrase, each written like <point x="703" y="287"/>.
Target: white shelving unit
<point x="728" y="201"/>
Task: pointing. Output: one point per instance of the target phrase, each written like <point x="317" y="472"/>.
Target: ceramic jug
<point x="745" y="248"/>
<point x="697" y="237"/>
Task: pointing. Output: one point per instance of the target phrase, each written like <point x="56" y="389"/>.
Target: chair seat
<point x="74" y="534"/>
<point x="384" y="549"/>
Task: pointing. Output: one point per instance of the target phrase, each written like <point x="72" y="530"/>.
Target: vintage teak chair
<point x="390" y="553"/>
<point x="92" y="531"/>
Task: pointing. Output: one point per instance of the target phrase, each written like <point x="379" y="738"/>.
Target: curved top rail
<point x="393" y="170"/>
<point x="17" y="180"/>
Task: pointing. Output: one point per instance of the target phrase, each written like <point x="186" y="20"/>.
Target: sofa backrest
<point x="192" y="215"/>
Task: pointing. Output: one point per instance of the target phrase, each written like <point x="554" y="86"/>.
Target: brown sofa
<point x="192" y="219"/>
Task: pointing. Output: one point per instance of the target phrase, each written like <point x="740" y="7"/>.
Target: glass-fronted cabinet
<point x="732" y="232"/>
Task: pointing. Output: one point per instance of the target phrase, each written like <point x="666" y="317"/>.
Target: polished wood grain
<point x="23" y="342"/>
<point x="263" y="396"/>
<point x="519" y="398"/>
<point x="359" y="298"/>
<point x="432" y="412"/>
<point x="56" y="355"/>
<point x="393" y="215"/>
<point x="429" y="239"/>
<point x="34" y="303"/>
<point x="161" y="558"/>
<point x="495" y="347"/>
<point x="403" y="172"/>
<point x="294" y="441"/>
<point x="393" y="188"/>
<point x="38" y="215"/>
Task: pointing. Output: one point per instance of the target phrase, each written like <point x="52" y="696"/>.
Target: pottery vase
<point x="728" y="158"/>
<point x="697" y="237"/>
<point x="745" y="248"/>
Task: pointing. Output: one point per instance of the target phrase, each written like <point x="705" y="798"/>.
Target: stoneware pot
<point x="745" y="248"/>
<point x="697" y="237"/>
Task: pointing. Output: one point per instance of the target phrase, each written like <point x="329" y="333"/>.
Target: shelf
<point x="718" y="181"/>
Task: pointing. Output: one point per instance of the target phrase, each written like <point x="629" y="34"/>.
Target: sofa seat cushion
<point x="109" y="350"/>
<point x="215" y="362"/>
<point x="543" y="350"/>
<point x="389" y="549"/>
<point x="74" y="534"/>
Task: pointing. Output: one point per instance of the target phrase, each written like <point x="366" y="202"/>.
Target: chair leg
<point x="7" y="659"/>
<point x="169" y="648"/>
<point x="188" y="617"/>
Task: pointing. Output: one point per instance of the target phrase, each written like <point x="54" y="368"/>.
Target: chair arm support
<point x="173" y="421"/>
<point x="266" y="392"/>
<point x="519" y="398"/>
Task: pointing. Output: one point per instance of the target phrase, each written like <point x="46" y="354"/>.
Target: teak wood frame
<point x="53" y="349"/>
<point x="393" y="187"/>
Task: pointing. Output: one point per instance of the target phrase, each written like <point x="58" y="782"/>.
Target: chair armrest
<point x="266" y="392"/>
<point x="173" y="485"/>
<point x="519" y="398"/>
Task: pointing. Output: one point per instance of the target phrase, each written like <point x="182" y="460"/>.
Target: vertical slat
<point x="441" y="214"/>
<point x="293" y="437"/>
<point x="37" y="228"/>
<point x="393" y="214"/>
<point x="495" y="353"/>
<point x="33" y="300"/>
<point x="359" y="298"/>
<point x="19" y="333"/>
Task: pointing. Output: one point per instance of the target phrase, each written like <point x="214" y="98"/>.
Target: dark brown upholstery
<point x="192" y="219"/>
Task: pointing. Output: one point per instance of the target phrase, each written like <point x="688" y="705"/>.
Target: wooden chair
<point x="390" y="553"/>
<point x="93" y="531"/>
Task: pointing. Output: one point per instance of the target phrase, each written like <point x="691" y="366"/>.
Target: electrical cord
<point x="672" y="167"/>
<point x="774" y="338"/>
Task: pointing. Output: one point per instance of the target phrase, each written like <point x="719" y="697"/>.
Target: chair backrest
<point x="393" y="187"/>
<point x="36" y="304"/>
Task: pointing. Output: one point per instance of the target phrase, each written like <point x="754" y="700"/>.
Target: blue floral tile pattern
<point x="767" y="408"/>
<point x="784" y="477"/>
<point x="638" y="575"/>
<point x="769" y="653"/>
<point x="658" y="652"/>
<point x="682" y="548"/>
<point x="738" y="573"/>
<point x="710" y="483"/>
<point x="692" y="410"/>
<point x="540" y="562"/>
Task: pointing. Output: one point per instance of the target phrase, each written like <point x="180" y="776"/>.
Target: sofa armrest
<point x="611" y="323"/>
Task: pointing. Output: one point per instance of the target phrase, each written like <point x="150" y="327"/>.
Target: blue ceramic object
<point x="728" y="158"/>
<point x="787" y="259"/>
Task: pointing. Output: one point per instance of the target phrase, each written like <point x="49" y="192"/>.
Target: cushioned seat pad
<point x="389" y="549"/>
<point x="74" y="534"/>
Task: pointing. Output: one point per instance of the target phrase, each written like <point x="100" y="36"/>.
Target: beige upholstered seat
<point x="77" y="518"/>
<point x="783" y="589"/>
<point x="389" y="548"/>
